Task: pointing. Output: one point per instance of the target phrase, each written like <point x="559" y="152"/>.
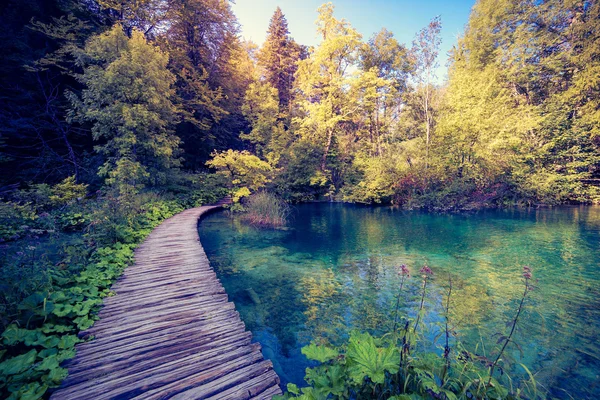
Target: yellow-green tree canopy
<point x="246" y="172"/>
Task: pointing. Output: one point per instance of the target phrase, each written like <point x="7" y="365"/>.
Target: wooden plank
<point x="161" y="338"/>
<point x="169" y="331"/>
<point x="172" y="371"/>
<point x="130" y="321"/>
<point x="251" y="388"/>
<point x="146" y="361"/>
<point x="174" y="346"/>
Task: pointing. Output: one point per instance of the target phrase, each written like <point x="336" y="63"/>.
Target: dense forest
<point x="127" y="93"/>
<point x="117" y="114"/>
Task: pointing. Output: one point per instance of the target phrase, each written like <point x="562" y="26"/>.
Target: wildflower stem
<point x="512" y="330"/>
<point x="447" y="346"/>
<point x="422" y="303"/>
<point x="398" y="304"/>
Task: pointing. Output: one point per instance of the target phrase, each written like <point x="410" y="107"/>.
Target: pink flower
<point x="426" y="271"/>
<point x="526" y="272"/>
<point x="403" y="270"/>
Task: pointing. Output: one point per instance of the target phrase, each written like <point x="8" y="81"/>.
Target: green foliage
<point x="366" y="360"/>
<point x="14" y="220"/>
<point x="278" y="58"/>
<point x="128" y="100"/>
<point x="268" y="134"/>
<point x="514" y="124"/>
<point x="41" y="208"/>
<point x="320" y="353"/>
<point x="322" y="79"/>
<point x="368" y="367"/>
<point x="46" y="301"/>
<point x="194" y="190"/>
<point x="265" y="209"/>
<point x="245" y="172"/>
<point x="397" y="366"/>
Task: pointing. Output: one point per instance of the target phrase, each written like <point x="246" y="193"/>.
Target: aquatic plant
<point x="404" y="274"/>
<point x="266" y="210"/>
<point x="505" y="340"/>
<point x="426" y="274"/>
<point x="388" y="367"/>
<point x="447" y="333"/>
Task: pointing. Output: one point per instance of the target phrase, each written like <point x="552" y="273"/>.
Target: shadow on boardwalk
<point x="170" y="331"/>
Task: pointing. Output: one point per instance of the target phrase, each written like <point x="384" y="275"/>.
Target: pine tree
<point x="278" y="57"/>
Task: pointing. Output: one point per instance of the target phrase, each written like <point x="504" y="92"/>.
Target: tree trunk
<point x="327" y="146"/>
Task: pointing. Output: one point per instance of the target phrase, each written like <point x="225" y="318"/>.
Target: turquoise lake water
<point x="331" y="270"/>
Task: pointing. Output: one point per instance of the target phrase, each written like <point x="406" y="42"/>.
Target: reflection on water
<point x="331" y="270"/>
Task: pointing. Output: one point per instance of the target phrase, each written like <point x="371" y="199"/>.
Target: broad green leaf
<point x="84" y="322"/>
<point x="337" y="379"/>
<point x="293" y="389"/>
<point x="48" y="363"/>
<point x="58" y="374"/>
<point x="62" y="310"/>
<point x="58" y="296"/>
<point x="309" y="393"/>
<point x="319" y="353"/>
<point x="51" y="328"/>
<point x="32" y="302"/>
<point x="66" y="354"/>
<point x="30" y="391"/>
<point x="47" y="341"/>
<point x="367" y="360"/>
<point x="13" y="335"/>
<point x="317" y="377"/>
<point x="67" y="341"/>
<point x="18" y="364"/>
<point x="47" y="352"/>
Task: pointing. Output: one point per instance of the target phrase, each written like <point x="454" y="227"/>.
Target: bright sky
<point x="403" y="17"/>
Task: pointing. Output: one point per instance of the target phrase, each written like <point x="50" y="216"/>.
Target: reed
<point x="266" y="210"/>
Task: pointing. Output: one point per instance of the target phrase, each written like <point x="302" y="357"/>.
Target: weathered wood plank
<point x="144" y="361"/>
<point x="172" y="371"/>
<point x="170" y="331"/>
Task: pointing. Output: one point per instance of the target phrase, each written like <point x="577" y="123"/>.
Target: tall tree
<point x="37" y="41"/>
<point x="278" y="57"/>
<point x="210" y="62"/>
<point x="531" y="53"/>
<point x="322" y="79"/>
<point x="128" y="101"/>
<point x="425" y="51"/>
<point x="144" y="15"/>
<point x="385" y="59"/>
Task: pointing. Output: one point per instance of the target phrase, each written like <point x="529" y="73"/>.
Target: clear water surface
<point x="331" y="270"/>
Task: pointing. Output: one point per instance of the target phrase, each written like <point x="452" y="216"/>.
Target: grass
<point x="266" y="210"/>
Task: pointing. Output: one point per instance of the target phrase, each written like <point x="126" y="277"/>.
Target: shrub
<point x="265" y="209"/>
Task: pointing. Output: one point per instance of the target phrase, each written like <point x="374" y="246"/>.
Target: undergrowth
<point x="48" y="297"/>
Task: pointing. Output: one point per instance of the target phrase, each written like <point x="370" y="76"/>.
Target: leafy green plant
<point x="45" y="315"/>
<point x="265" y="209"/>
<point x="15" y="219"/>
<point x="393" y="367"/>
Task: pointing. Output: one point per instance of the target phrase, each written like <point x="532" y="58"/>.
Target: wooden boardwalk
<point x="170" y="331"/>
